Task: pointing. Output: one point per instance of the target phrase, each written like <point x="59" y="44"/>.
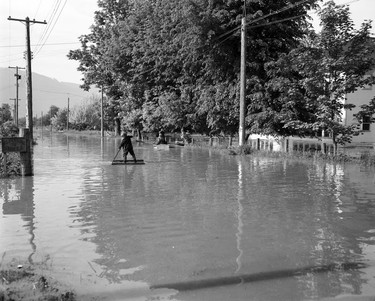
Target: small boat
<point x="162" y="146"/>
<point x="179" y="142"/>
<point x="128" y="162"/>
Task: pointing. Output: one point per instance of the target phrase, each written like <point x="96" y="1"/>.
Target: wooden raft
<point x="128" y="162"/>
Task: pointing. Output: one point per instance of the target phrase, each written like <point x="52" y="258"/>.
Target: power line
<point x="52" y="92"/>
<point x="49" y="44"/>
<point x="49" y="18"/>
<point x="231" y="31"/>
<point x="53" y="26"/>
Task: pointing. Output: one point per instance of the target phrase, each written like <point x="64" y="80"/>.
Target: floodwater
<point x="191" y="224"/>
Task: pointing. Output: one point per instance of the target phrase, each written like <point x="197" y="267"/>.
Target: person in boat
<point x="185" y="136"/>
<point x="127" y="146"/>
<point x="161" y="138"/>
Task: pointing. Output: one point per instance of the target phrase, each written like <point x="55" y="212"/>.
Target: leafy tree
<point x="5" y="113"/>
<point x="8" y="129"/>
<point x="86" y="116"/>
<point x="220" y="106"/>
<point x="152" y="117"/>
<point x="164" y="53"/>
<point x="324" y="68"/>
<point x="53" y="110"/>
<point x="59" y="121"/>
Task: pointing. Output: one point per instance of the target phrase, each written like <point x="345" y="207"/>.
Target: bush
<point x="13" y="167"/>
<point x="9" y="129"/>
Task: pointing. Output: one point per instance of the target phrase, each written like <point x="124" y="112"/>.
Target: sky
<point x="66" y="21"/>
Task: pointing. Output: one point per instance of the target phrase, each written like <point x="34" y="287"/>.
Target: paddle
<point x="116" y="154"/>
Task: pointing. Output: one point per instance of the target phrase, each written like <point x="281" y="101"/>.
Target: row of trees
<point x="174" y="64"/>
<point x="86" y="116"/>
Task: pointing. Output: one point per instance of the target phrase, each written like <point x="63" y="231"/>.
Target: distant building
<point x="358" y="98"/>
<point x="364" y="142"/>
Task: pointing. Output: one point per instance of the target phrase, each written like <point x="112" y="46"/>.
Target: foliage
<point x="174" y="55"/>
<point x="9" y="129"/>
<point x="219" y="104"/>
<point x="60" y="120"/>
<point x="310" y="83"/>
<point x="52" y="111"/>
<point x="86" y="116"/>
<point x="5" y="113"/>
<point x="132" y="120"/>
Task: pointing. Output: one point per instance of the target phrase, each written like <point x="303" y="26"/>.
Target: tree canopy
<point x="311" y="81"/>
<point x="172" y="64"/>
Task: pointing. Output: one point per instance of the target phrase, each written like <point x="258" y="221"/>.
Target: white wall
<point x="360" y="97"/>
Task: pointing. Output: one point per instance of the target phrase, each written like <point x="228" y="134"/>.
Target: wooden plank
<point x="140" y="160"/>
<point x="128" y="162"/>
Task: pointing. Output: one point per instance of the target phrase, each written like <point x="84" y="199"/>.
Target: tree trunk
<point x="117" y="126"/>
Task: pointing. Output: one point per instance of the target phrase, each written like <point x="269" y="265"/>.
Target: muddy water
<point x="191" y="224"/>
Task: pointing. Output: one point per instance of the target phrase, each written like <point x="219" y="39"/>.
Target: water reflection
<point x="18" y="199"/>
<point x="239" y="233"/>
<point x="190" y="216"/>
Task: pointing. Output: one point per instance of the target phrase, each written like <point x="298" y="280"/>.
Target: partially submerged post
<point x="27" y="156"/>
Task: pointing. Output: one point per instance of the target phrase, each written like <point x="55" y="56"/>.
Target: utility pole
<point x="241" y="131"/>
<point x="18" y="77"/>
<point x="29" y="106"/>
<point x="67" y="117"/>
<point x="102" y="114"/>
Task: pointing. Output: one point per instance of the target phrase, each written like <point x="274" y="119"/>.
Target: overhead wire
<point x="49" y="33"/>
<point x="50" y="17"/>
<point x="47" y="44"/>
<point x="51" y="25"/>
<point x="231" y="31"/>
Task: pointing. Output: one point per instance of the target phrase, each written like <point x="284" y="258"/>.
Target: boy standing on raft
<point x="127" y="146"/>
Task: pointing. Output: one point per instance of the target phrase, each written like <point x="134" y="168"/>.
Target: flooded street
<point x="191" y="224"/>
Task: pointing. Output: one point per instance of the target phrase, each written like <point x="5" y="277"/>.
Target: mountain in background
<point x="46" y="92"/>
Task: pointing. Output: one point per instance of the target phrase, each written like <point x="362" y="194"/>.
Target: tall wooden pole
<point x="17" y="86"/>
<point x="67" y="117"/>
<point x="29" y="91"/>
<point x="29" y="106"/>
<point x="241" y="131"/>
<point x="102" y="114"/>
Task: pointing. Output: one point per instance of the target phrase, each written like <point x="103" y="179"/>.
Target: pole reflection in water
<point x="18" y="197"/>
<point x="240" y="198"/>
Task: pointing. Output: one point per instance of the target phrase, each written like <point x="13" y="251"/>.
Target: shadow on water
<point x="262" y="276"/>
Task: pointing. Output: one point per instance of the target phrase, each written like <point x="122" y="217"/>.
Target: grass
<point x="13" y="167"/>
<point x="25" y="281"/>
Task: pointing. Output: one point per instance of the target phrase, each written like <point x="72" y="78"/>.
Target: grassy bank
<point x="25" y="281"/>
